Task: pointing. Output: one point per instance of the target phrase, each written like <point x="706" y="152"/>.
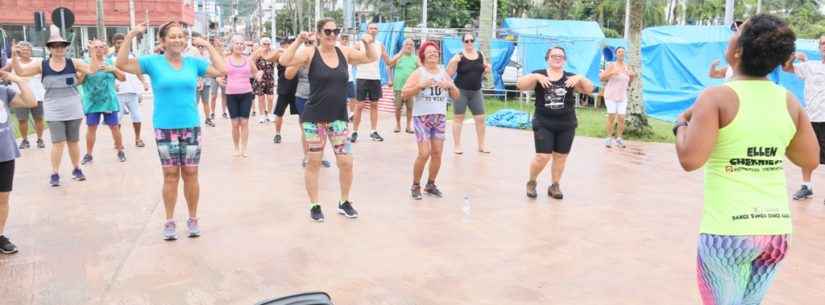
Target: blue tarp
<point x="582" y="41"/>
<point x="610" y="46"/>
<point x="499" y="57"/>
<point x="676" y="61"/>
<point x="510" y="118"/>
<point x="391" y="34"/>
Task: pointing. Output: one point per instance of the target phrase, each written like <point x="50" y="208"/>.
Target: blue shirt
<point x="174" y="90"/>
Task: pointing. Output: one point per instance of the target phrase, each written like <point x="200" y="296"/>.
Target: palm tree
<point x="637" y="120"/>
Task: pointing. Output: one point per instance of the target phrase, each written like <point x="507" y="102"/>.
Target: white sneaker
<point x="608" y="142"/>
<point x="620" y="143"/>
<point x="261" y="120"/>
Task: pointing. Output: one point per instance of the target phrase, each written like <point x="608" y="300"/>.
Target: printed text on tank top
<point x="554" y="96"/>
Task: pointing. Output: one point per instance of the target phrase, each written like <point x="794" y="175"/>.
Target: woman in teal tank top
<point x="741" y="132"/>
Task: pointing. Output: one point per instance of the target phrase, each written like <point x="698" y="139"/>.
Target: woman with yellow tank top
<point x="741" y="132"/>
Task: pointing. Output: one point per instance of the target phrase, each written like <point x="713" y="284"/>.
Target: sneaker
<point x="6" y="247"/>
<point x="77" y="174"/>
<point x="87" y="158"/>
<point x="608" y="142"/>
<point x="139" y="143"/>
<point x="225" y="115"/>
<point x="212" y="116"/>
<point x="121" y="156"/>
<point x="194" y="228"/>
<point x="277" y="139"/>
<point x="24" y="144"/>
<point x="262" y="120"/>
<point x="803" y="193"/>
<point x="354" y="137"/>
<point x="326" y="163"/>
<point x="433" y="190"/>
<point x="554" y="191"/>
<point x="620" y="143"/>
<point x="54" y="180"/>
<point x="415" y="191"/>
<point x="169" y="233"/>
<point x="209" y="122"/>
<point x="531" y="189"/>
<point x="40" y="143"/>
<point x="316" y="214"/>
<point x="376" y="137"/>
<point x="345" y="208"/>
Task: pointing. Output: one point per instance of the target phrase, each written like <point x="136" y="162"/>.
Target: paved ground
<point x="624" y="234"/>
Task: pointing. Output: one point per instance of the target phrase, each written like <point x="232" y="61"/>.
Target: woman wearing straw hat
<point x="62" y="105"/>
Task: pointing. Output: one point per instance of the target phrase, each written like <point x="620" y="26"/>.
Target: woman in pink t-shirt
<point x="239" y="94"/>
<point x="617" y="78"/>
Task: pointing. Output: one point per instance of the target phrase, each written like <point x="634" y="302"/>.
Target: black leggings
<point x="6" y="176"/>
<point x="239" y="105"/>
<point x="550" y="141"/>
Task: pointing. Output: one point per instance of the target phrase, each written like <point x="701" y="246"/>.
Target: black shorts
<point x="551" y="140"/>
<point x="368" y="90"/>
<point x="819" y="130"/>
<point x="6" y="176"/>
<point x="283" y="101"/>
<point x="239" y="105"/>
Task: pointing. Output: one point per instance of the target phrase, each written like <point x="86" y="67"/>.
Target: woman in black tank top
<point x="468" y="77"/>
<point x="325" y="114"/>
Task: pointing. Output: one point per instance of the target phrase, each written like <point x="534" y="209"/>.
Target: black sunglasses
<point x="331" y="31"/>
<point x="469" y="41"/>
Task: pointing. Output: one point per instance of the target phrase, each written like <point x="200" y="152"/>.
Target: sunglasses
<point x="329" y="32"/>
<point x="469" y="41"/>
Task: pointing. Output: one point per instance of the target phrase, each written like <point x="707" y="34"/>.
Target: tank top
<point x="555" y="106"/>
<point x="370" y="70"/>
<point x="745" y="187"/>
<point x="237" y="77"/>
<point x="302" y="90"/>
<point x="327" y="90"/>
<point x="61" y="101"/>
<point x="432" y="100"/>
<point x="616" y="88"/>
<point x="469" y="72"/>
<point x="286" y="86"/>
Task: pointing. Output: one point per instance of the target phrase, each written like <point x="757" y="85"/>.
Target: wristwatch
<point x="677" y="125"/>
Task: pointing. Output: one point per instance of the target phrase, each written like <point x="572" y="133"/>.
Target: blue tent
<point x="811" y="48"/>
<point x="499" y="57"/>
<point x="391" y="34"/>
<point x="582" y="41"/>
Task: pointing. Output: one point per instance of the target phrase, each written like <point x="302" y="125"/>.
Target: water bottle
<point x="466" y="208"/>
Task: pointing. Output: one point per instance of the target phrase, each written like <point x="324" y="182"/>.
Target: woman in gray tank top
<point x="430" y="86"/>
<point x="62" y="105"/>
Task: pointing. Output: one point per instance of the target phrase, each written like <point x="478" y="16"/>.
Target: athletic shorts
<point x="203" y="94"/>
<point x="616" y="107"/>
<point x="283" y="101"/>
<point x="368" y="90"/>
<point x="24" y="113"/>
<point x="734" y="270"/>
<point x="62" y="131"/>
<point x="350" y="90"/>
<point x="337" y="132"/>
<point x="6" y="176"/>
<point x="214" y="88"/>
<point x="130" y="102"/>
<point x="819" y="130"/>
<point x="179" y="147"/>
<point x="300" y="102"/>
<point x="430" y="127"/>
<point x="109" y="118"/>
<point x="550" y="141"/>
<point x="239" y="105"/>
<point x="400" y="102"/>
<point x="469" y="98"/>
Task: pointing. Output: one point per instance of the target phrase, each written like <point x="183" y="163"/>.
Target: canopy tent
<point x="582" y="41"/>
<point x="499" y="57"/>
<point x="391" y="35"/>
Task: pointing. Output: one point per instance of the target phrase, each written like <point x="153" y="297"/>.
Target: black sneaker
<point x="225" y="115"/>
<point x="554" y="191"/>
<point x="24" y="144"/>
<point x="803" y="193"/>
<point x="54" y="180"/>
<point x="212" y="116"/>
<point x="121" y="156"/>
<point x="277" y="139"/>
<point x="77" y="174"/>
<point x="531" y="189"/>
<point x="6" y="247"/>
<point x="431" y="189"/>
<point x="376" y="137"/>
<point x="40" y="143"/>
<point x="354" y="137"/>
<point x="316" y="214"/>
<point x="345" y="208"/>
<point x="415" y="191"/>
<point x="87" y="158"/>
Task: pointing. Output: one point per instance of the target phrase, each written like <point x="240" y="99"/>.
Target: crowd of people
<point x="315" y="80"/>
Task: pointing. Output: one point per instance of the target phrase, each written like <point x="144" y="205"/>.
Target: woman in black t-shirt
<point x="554" y="122"/>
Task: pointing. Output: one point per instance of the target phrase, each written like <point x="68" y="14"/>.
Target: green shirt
<point x="403" y="69"/>
<point x="745" y="187"/>
<point x="99" y="93"/>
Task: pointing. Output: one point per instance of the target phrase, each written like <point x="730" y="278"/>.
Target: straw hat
<point x="54" y="36"/>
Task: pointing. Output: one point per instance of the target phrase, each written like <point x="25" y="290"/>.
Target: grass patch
<point x="591" y="121"/>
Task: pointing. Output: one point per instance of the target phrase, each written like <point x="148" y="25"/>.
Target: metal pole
<point x="101" y="28"/>
<point x="424" y="14"/>
<point x="318" y="14"/>
<point x="274" y="26"/>
<point x="758" y="6"/>
<point x="132" y="23"/>
<point x="728" y="12"/>
<point x="348" y="14"/>
<point x="626" y="18"/>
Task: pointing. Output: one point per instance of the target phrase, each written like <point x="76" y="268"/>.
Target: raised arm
<point x="291" y="57"/>
<point x="452" y="66"/>
<point x="291" y="72"/>
<point x="715" y="72"/>
<point x="608" y="72"/>
<point x="394" y="59"/>
<point x="119" y="75"/>
<point x="123" y="62"/>
<point x="273" y="58"/>
<point x="217" y="66"/>
<point x="581" y="84"/>
<point x="384" y="55"/>
<point x="355" y="57"/>
<point x="790" y="67"/>
<point x="411" y="87"/>
<point x="803" y="149"/>
<point x="23" y="100"/>
<point x="19" y="69"/>
<point x="694" y="143"/>
<point x="530" y="81"/>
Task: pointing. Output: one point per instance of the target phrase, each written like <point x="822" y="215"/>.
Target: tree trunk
<point x="637" y="120"/>
<point x="485" y="27"/>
